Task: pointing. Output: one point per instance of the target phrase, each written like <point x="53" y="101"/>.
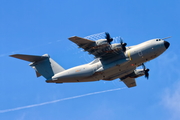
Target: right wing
<point x="130" y="82"/>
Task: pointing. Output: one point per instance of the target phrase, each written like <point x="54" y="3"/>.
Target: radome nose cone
<point x="166" y="44"/>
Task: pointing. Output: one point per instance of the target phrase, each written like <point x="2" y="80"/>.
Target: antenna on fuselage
<point x="166" y="38"/>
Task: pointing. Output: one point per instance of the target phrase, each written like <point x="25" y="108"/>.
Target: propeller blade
<point x="144" y="67"/>
<point x="123" y="45"/>
<point x="121" y="40"/>
<point x="146" y="71"/>
<point x="108" y="37"/>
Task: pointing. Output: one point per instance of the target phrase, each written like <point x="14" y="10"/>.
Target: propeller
<point x="146" y="71"/>
<point x="108" y="37"/>
<point x="123" y="45"/>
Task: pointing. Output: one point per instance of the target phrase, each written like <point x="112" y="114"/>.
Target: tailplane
<point x="43" y="65"/>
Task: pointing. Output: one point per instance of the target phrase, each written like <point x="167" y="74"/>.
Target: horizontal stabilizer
<point x="43" y="65"/>
<point x="30" y="58"/>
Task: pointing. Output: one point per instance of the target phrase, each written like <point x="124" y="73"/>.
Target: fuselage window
<point x="140" y="53"/>
<point x="158" y="39"/>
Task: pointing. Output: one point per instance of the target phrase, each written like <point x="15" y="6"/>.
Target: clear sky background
<point x="42" y="26"/>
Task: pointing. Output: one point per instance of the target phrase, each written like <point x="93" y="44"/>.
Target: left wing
<point x="104" y="50"/>
<point x="130" y="82"/>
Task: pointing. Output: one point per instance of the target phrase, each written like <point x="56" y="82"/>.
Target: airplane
<point x="112" y="61"/>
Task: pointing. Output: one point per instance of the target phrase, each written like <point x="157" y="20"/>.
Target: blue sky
<point x="42" y="26"/>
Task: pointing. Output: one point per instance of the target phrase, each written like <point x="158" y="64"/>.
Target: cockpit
<point x="158" y="39"/>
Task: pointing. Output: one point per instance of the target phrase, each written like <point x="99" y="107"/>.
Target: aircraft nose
<point x="166" y="44"/>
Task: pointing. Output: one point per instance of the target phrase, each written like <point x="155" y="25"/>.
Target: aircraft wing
<point x="102" y="51"/>
<point x="130" y="82"/>
<point x="82" y="42"/>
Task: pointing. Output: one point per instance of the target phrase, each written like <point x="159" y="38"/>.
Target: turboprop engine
<point x="137" y="73"/>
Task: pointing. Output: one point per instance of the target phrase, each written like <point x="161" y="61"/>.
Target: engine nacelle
<point x="116" y="46"/>
<point x="137" y="73"/>
<point x="99" y="47"/>
<point x="101" y="42"/>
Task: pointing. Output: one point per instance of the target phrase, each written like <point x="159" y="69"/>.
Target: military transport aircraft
<point x="111" y="61"/>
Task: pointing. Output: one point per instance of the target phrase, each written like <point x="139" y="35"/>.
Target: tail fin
<point x="43" y="65"/>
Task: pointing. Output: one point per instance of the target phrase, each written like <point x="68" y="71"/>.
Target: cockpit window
<point x="158" y="39"/>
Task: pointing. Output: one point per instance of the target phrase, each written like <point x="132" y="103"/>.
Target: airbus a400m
<point x="111" y="61"/>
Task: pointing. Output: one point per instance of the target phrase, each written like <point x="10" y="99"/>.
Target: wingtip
<point x="72" y="37"/>
<point x="12" y="55"/>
